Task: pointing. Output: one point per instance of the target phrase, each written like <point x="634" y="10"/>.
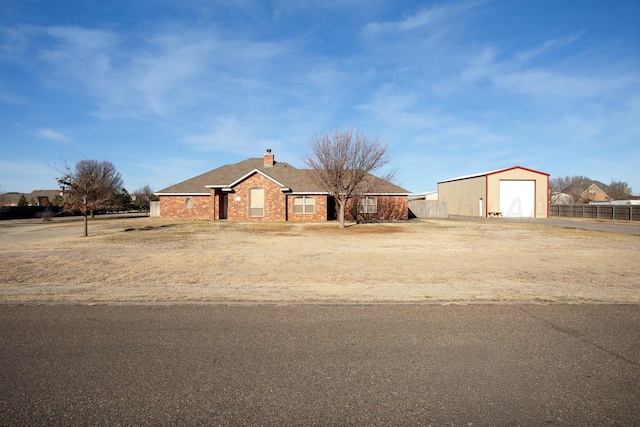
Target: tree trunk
<point x="341" y="212"/>
<point x="86" y="228"/>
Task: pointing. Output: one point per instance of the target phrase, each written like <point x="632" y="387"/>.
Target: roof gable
<point x="594" y="186"/>
<point x="247" y="175"/>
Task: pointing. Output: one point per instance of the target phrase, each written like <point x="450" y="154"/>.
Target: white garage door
<point x="518" y="198"/>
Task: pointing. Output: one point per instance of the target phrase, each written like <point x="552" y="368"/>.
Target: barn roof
<point x="491" y="173"/>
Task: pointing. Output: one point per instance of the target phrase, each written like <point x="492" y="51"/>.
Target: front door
<point x="222" y="214"/>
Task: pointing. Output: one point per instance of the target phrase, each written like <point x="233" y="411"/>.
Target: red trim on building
<point x="516" y="167"/>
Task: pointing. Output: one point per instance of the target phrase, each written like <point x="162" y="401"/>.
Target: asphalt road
<point x="320" y="365"/>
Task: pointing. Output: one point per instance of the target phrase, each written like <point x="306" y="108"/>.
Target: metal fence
<point x="619" y="212"/>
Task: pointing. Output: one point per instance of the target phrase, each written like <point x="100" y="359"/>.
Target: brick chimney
<point x="268" y="158"/>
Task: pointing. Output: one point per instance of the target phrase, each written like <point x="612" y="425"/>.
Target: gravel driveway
<point x="510" y="364"/>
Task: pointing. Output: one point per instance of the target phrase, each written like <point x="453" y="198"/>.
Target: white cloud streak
<point x="429" y="18"/>
<point x="53" y="135"/>
<point x="160" y="74"/>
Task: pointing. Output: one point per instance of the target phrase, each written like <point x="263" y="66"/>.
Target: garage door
<point x="518" y="198"/>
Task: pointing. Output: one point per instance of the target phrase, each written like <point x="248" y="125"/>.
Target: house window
<point x="304" y="205"/>
<point x="256" y="202"/>
<point x="368" y="205"/>
<point x="188" y="203"/>
<point x="592" y="193"/>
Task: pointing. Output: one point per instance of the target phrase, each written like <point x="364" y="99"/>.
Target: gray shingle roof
<point x="297" y="180"/>
<point x="12" y="198"/>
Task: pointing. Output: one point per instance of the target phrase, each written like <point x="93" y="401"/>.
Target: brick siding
<point x="175" y="207"/>
<point x="389" y="208"/>
<point x="320" y="210"/>
<point x="274" y="200"/>
<point x="278" y="206"/>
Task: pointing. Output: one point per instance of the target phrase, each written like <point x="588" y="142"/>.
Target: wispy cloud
<point x="425" y="18"/>
<point x="549" y="85"/>
<point x="53" y="135"/>
<point x="161" y="74"/>
<point x="230" y="134"/>
<point x="547" y="46"/>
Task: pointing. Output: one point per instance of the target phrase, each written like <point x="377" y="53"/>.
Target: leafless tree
<point x="143" y="197"/>
<point x="618" y="189"/>
<point x="89" y="187"/>
<point x="342" y="161"/>
<point x="3" y="201"/>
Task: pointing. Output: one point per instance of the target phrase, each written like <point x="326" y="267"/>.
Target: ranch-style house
<point x="261" y="189"/>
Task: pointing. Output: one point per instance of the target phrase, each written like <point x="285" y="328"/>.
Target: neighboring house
<point x="35" y="198"/>
<point x="261" y="189"/>
<point x="582" y="191"/>
<point x="594" y="193"/>
<point x="11" y="198"/>
<point x="431" y="196"/>
<point x="559" y="198"/>
<point x="44" y="197"/>
<point x="511" y="192"/>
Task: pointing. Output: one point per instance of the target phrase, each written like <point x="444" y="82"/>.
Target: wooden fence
<point x="427" y="209"/>
<point x="25" y="212"/>
<point x="619" y="212"/>
<point x="154" y="209"/>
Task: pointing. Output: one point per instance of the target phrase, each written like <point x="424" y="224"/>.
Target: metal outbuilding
<point x="512" y="192"/>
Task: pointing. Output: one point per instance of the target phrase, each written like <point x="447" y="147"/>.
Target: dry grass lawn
<point x="148" y="259"/>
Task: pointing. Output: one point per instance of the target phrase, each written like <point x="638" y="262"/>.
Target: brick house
<point x="261" y="189"/>
<point x="35" y="198"/>
<point x="594" y="193"/>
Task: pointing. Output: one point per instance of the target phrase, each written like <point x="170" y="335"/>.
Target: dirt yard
<point x="148" y="259"/>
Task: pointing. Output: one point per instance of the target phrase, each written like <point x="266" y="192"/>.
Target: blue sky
<point x="167" y="90"/>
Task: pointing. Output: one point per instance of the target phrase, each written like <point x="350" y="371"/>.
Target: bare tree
<point x="618" y="189"/>
<point x="4" y="201"/>
<point x="89" y="187"/>
<point x="342" y="161"/>
<point x="143" y="197"/>
<point x="3" y="197"/>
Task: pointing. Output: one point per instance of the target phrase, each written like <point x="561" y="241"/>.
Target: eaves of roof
<point x="289" y="178"/>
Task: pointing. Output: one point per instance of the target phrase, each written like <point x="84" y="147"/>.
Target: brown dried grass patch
<point x="156" y="260"/>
